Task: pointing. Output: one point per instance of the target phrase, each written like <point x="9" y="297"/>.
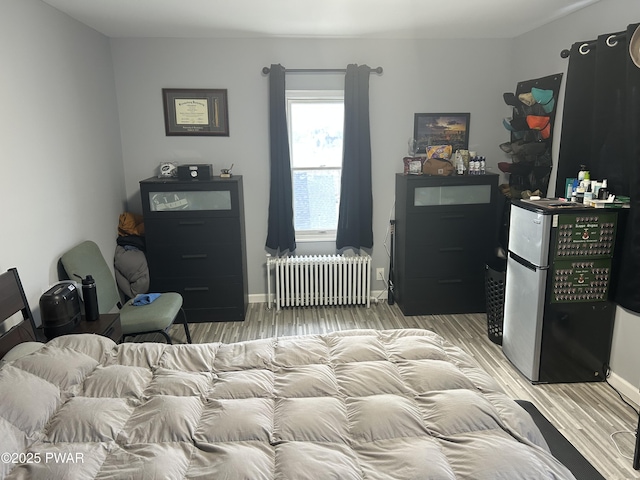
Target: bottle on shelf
<point x="473" y="166"/>
<point x="459" y="163"/>
<point x="90" y="298"/>
<point x="588" y="194"/>
<point x="603" y="193"/>
<point x="583" y="174"/>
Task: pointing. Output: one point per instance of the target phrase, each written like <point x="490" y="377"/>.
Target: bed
<point x="361" y="404"/>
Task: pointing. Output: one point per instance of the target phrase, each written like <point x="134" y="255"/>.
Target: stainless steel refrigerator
<point x="558" y="319"/>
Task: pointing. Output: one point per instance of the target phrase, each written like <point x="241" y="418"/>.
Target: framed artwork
<point x="193" y="112"/>
<point x="441" y="129"/>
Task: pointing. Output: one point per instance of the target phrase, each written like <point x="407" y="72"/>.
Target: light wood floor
<point x="587" y="414"/>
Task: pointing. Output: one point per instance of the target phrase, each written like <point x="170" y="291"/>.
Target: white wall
<point x="62" y="176"/>
<point x="537" y="54"/>
<point x="419" y="76"/>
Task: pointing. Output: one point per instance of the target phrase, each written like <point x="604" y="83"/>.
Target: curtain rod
<point x="266" y="70"/>
<point x="612" y="41"/>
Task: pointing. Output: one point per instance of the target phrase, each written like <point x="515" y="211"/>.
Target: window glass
<point x="316" y="120"/>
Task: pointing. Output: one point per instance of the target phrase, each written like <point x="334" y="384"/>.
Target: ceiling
<point x="317" y="18"/>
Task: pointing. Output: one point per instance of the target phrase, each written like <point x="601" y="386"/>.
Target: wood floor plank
<point x="587" y="414"/>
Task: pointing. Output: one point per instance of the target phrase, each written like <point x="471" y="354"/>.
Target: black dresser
<point x="446" y="229"/>
<point x="195" y="239"/>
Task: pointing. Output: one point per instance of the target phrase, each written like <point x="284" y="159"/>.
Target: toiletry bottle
<point x="459" y="163"/>
<point x="603" y="193"/>
<point x="581" y="173"/>
<point x="588" y="194"/>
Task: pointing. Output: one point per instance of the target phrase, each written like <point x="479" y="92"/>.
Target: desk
<point x="108" y="325"/>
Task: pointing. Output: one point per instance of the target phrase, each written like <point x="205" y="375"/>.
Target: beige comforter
<point x="384" y="405"/>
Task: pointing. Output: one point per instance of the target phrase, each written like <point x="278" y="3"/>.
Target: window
<point x="316" y="121"/>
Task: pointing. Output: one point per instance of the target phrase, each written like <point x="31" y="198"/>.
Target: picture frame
<point x="195" y="112"/>
<point x="441" y="129"/>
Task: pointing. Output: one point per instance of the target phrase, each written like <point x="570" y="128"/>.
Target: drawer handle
<point x="196" y="289"/>
<point x="190" y="256"/>
<point x="191" y="222"/>
<point x="451" y="249"/>
<point x="452" y="280"/>
<point x="452" y="217"/>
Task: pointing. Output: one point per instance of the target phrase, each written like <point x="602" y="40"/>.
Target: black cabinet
<point x="446" y="228"/>
<point x="195" y="239"/>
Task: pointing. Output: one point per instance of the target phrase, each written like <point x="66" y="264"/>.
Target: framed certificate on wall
<point x="194" y="112"/>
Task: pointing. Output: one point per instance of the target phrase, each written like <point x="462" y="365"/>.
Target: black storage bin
<point x="495" y="275"/>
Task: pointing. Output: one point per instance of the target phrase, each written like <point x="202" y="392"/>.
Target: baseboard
<point x="263" y="297"/>
<point x="628" y="390"/>
<point x="258" y="298"/>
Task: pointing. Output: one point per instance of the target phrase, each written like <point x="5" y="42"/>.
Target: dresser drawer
<point x="444" y="228"/>
<point x="195" y="261"/>
<point x="193" y="231"/>
<point x="430" y="296"/>
<point x="204" y="292"/>
<point x="164" y="198"/>
<point x="463" y="259"/>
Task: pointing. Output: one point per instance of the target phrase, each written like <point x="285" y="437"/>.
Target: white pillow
<point x="21" y="350"/>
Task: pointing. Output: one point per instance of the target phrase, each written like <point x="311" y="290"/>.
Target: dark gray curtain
<point x="593" y="130"/>
<point x="356" y="199"/>
<point x="601" y="129"/>
<point x="628" y="291"/>
<point x="281" y="236"/>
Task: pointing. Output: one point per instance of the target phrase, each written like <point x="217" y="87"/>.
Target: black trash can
<point x="495" y="274"/>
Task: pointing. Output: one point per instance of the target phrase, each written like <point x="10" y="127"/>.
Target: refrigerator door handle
<point x="526" y="263"/>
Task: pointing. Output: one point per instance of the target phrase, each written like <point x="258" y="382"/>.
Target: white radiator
<point x="320" y="280"/>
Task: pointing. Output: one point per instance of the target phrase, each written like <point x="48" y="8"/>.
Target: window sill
<point x="315" y="238"/>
